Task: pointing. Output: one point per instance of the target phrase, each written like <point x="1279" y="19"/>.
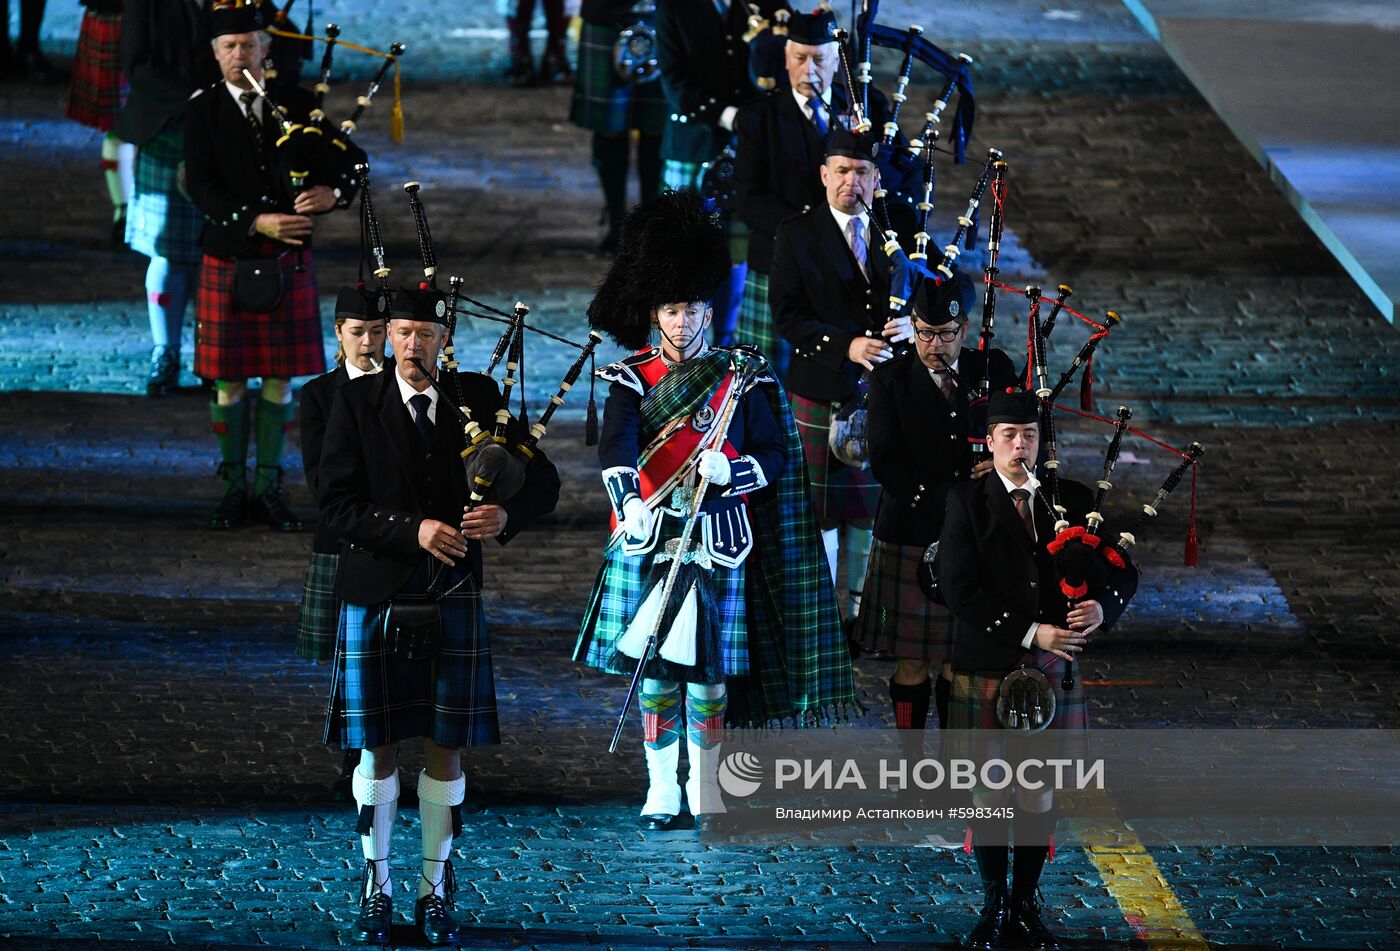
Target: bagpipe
<point x="908" y="271"/>
<point x="495" y="456"/>
<point x="318" y="152"/>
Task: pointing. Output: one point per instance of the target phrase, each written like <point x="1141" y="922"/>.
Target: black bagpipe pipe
<point x="977" y="408"/>
<point x="293" y="153"/>
<point x="1117" y="554"/>
<point x="373" y="240"/>
<point x="348" y="126"/>
<point x="955" y="68"/>
<point x="1084" y="358"/>
<point x="1048" y="327"/>
<point x="967" y="222"/>
<point x="426" y="250"/>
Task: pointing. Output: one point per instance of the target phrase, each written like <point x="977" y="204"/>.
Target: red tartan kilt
<point x="236" y="344"/>
<point x="97" y="88"/>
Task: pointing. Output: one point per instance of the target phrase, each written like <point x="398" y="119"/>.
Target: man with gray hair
<point x="256" y="309"/>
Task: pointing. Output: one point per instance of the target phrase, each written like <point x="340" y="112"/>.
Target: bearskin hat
<point x="673" y="249"/>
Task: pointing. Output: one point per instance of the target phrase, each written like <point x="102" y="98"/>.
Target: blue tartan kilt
<point x="160" y="221"/>
<point x="677" y="175"/>
<point x="604" y="101"/>
<point x="755" y="326"/>
<point x="618" y="593"/>
<point x="377" y="699"/>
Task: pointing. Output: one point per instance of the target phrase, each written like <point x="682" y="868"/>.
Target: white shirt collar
<point x="355" y="372"/>
<point x="1029" y="485"/>
<point x="407" y="392"/>
<point x="807" y="109"/>
<point x="843" y="221"/>
<point x="237" y="93"/>
<point x="934" y="373"/>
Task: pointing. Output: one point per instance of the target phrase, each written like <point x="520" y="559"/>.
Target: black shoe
<point x="231" y="511"/>
<point x="712" y="822"/>
<point x="1024" y="929"/>
<point x="164" y="377"/>
<point x="375" y="921"/>
<point x="990" y="931"/>
<point x="268" y="506"/>
<point x="554" y="68"/>
<point x="657" y="822"/>
<point x="431" y="918"/>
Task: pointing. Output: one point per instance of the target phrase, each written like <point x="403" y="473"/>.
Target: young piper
<point x="771" y="624"/>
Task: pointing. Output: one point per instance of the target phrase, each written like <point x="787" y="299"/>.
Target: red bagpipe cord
<point x="1193" y="541"/>
<point x="1086" y="381"/>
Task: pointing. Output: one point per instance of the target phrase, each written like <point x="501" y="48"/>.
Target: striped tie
<point x="255" y="126"/>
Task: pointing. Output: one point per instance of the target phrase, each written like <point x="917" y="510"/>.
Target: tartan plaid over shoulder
<point x="799" y="665"/>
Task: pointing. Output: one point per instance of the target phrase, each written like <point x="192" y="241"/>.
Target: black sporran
<point x="257" y="284"/>
<point x="413" y="628"/>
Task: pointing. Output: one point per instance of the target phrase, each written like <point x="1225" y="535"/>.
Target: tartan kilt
<point x="377" y="699"/>
<point x="618" y="593"/>
<point x="97" y="88"/>
<point x="235" y="344"/>
<point x="972" y="706"/>
<point x="755" y="326"/>
<point x="160" y="221"/>
<point x="677" y="175"/>
<point x="895" y="615"/>
<point x="604" y="101"/>
<point x="320" y="608"/>
<point x="838" y="492"/>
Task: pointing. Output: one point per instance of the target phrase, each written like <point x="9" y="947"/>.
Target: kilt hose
<point x="377" y="699"/>
<point x="755" y="324"/>
<point x="895" y="615"/>
<point x="97" y="88"/>
<point x="160" y="221"/>
<point x="605" y="102"/>
<point x="839" y="493"/>
<point x="233" y="344"/>
<point x="320" y="608"/>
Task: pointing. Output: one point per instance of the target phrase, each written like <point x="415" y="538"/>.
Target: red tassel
<point x="1050" y="856"/>
<point x="1193" y="541"/>
<point x="1112" y="556"/>
<point x="1086" y="386"/>
<point x="967" y="841"/>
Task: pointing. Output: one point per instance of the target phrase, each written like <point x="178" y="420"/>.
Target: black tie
<point x="1023" y="509"/>
<point x="420" y="404"/>
<point x="254" y="123"/>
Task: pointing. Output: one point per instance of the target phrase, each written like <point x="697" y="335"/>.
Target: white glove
<point x="636" y="519"/>
<point x="715" y="467"/>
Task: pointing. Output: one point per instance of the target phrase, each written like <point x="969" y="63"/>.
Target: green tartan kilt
<point x="604" y="101"/>
<point x="755" y="326"/>
<point x="838" y="491"/>
<point x="160" y="221"/>
<point x="320" y="608"/>
<point x="677" y="175"/>
<point x="895" y="615"/>
<point x="623" y="581"/>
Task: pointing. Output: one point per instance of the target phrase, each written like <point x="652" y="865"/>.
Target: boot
<point x="377" y="804"/>
<point x="439" y="807"/>
<point x="1033" y="832"/>
<point x="1024" y="929"/>
<point x="704" y="712"/>
<point x="521" y="71"/>
<point x="989" y="933"/>
<point x="231" y="426"/>
<point x="660" y="703"/>
<point x="164" y="376"/>
<point x="554" y="65"/>
<point x="274" y="419"/>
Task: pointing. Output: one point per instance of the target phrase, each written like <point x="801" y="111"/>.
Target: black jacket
<point x="996" y="581"/>
<point x="821" y="300"/>
<point x="377" y="483"/>
<point x="165" y="55"/>
<point x="704" y="69"/>
<point x="775" y="171"/>
<point x="919" y="445"/>
<point x="232" y="182"/>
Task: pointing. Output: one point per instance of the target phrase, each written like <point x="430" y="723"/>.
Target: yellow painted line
<point x="1132" y="877"/>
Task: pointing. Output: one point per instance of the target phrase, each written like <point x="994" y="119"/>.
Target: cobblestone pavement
<point x="164" y="783"/>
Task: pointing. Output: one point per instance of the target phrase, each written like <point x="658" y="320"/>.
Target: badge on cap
<point x="442" y="308"/>
<point x="381" y="303"/>
<point x="954" y="308"/>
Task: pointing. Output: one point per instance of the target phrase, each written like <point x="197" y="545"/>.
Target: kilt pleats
<point x="895" y="615"/>
<point x="838" y="491"/>
<point x="232" y="344"/>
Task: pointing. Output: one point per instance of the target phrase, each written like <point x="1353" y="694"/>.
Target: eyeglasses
<point x="947" y="336"/>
